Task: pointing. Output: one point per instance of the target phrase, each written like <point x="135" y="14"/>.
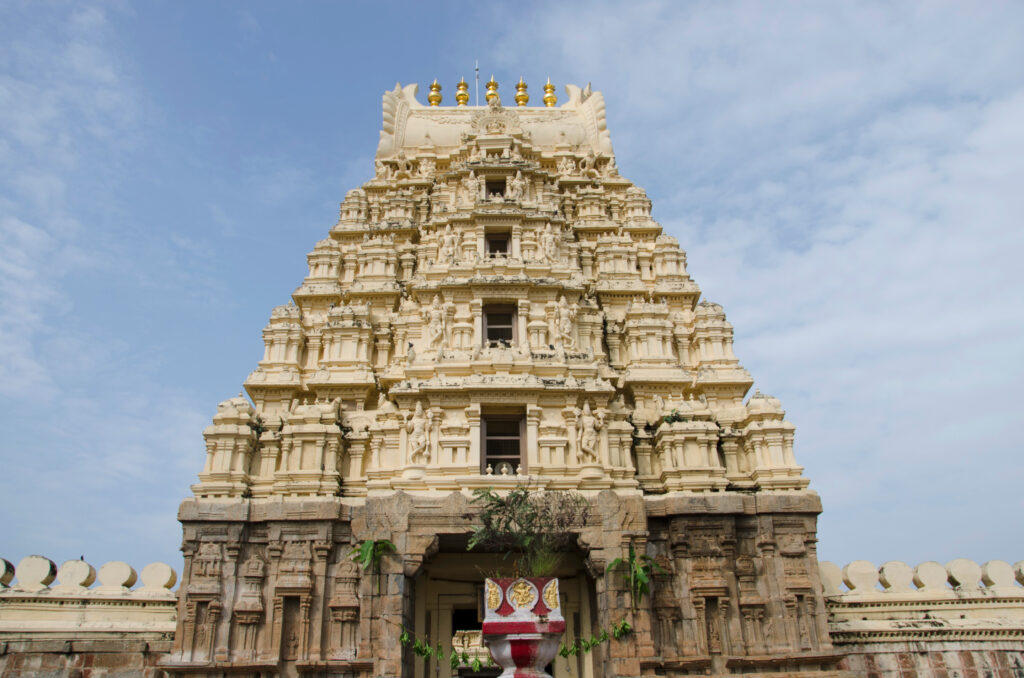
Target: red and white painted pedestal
<point x="523" y="624"/>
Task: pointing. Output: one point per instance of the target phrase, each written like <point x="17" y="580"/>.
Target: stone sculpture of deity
<point x="416" y="426"/>
<point x="434" y="315"/>
<point x="587" y="434"/>
<point x="549" y="244"/>
<point x="515" y="187"/>
<point x="472" y="186"/>
<point x="449" y="250"/>
<point x="566" y="316"/>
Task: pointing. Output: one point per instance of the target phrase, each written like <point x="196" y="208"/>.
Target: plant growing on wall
<point x="535" y="528"/>
<point x="639" y="568"/>
<point x="673" y="417"/>
<point x="369" y="555"/>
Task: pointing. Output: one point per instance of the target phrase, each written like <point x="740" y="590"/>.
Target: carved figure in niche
<point x="587" y="434"/>
<point x="566" y="166"/>
<point x="588" y="165"/>
<point x="435" y="323"/>
<point x="384" y="404"/>
<point x="382" y="170"/>
<point x="449" y="249"/>
<point x="453" y="196"/>
<point x="659" y="405"/>
<point x="403" y="166"/>
<point x="408" y="305"/>
<point x="472" y="187"/>
<point x="416" y="426"/>
<point x="426" y="168"/>
<point x="610" y="170"/>
<point x="514" y="187"/>
<point x="549" y="244"/>
<point x="566" y="316"/>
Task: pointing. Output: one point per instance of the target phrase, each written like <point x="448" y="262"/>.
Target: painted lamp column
<point x="523" y="624"/>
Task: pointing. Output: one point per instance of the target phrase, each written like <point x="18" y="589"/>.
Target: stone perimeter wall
<point x="959" y="620"/>
<point x="56" y="622"/>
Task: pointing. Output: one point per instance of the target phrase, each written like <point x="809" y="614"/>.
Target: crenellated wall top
<point x="40" y="576"/>
<point x="931" y="603"/>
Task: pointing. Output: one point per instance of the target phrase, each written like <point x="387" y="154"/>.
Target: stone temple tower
<point x="496" y="307"/>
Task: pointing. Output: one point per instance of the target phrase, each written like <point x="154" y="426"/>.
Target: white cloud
<point x="846" y="180"/>
<point x="88" y="438"/>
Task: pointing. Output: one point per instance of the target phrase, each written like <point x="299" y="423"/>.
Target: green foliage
<point x="639" y="568"/>
<point x="423" y="649"/>
<point x="620" y="630"/>
<point x="536" y="528"/>
<point x="673" y="416"/>
<point x="369" y="555"/>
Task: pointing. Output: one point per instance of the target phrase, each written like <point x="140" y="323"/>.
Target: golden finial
<point x="522" y="97"/>
<point x="492" y="89"/>
<point x="435" y="94"/>
<point x="549" y="94"/>
<point x="462" y="92"/>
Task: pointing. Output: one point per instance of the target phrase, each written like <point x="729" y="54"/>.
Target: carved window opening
<point x="502" y="446"/>
<point x="499" y="325"/>
<point x="495" y="188"/>
<point x="497" y="244"/>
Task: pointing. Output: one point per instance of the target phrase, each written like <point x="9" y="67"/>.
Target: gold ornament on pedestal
<point x="462" y="92"/>
<point x="435" y="94"/>
<point x="549" y="94"/>
<point x="522" y="97"/>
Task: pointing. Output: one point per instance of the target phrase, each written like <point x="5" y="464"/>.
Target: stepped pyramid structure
<point x="496" y="307"/>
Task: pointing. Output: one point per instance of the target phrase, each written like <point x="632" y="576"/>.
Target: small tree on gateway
<point x="536" y="528"/>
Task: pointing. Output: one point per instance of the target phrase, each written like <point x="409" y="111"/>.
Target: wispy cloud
<point x="846" y="182"/>
<point x="60" y="93"/>
<point x="84" y="427"/>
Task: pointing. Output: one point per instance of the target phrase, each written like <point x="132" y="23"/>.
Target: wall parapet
<point x="40" y="601"/>
<point x="960" y="601"/>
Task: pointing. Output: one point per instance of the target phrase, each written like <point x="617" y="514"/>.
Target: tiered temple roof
<point x="496" y="303"/>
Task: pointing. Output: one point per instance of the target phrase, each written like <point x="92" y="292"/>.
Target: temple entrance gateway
<point x="496" y="306"/>
<point x="449" y="611"/>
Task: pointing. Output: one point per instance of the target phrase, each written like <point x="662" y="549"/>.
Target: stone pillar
<point x="476" y="307"/>
<point x="515" y="244"/>
<point x="473" y="420"/>
<point x="533" y="415"/>
<point x="522" y="320"/>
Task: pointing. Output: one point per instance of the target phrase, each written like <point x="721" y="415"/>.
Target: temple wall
<point x="75" y="621"/>
<point x="959" y="619"/>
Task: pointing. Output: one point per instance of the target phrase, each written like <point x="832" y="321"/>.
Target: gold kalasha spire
<point x="435" y="94"/>
<point x="492" y="89"/>
<point x="462" y="92"/>
<point x="522" y="97"/>
<point x="549" y="94"/>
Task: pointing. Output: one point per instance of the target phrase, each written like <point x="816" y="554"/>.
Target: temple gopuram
<point x="496" y="308"/>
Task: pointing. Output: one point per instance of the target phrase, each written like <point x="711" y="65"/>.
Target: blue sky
<point x="846" y="179"/>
